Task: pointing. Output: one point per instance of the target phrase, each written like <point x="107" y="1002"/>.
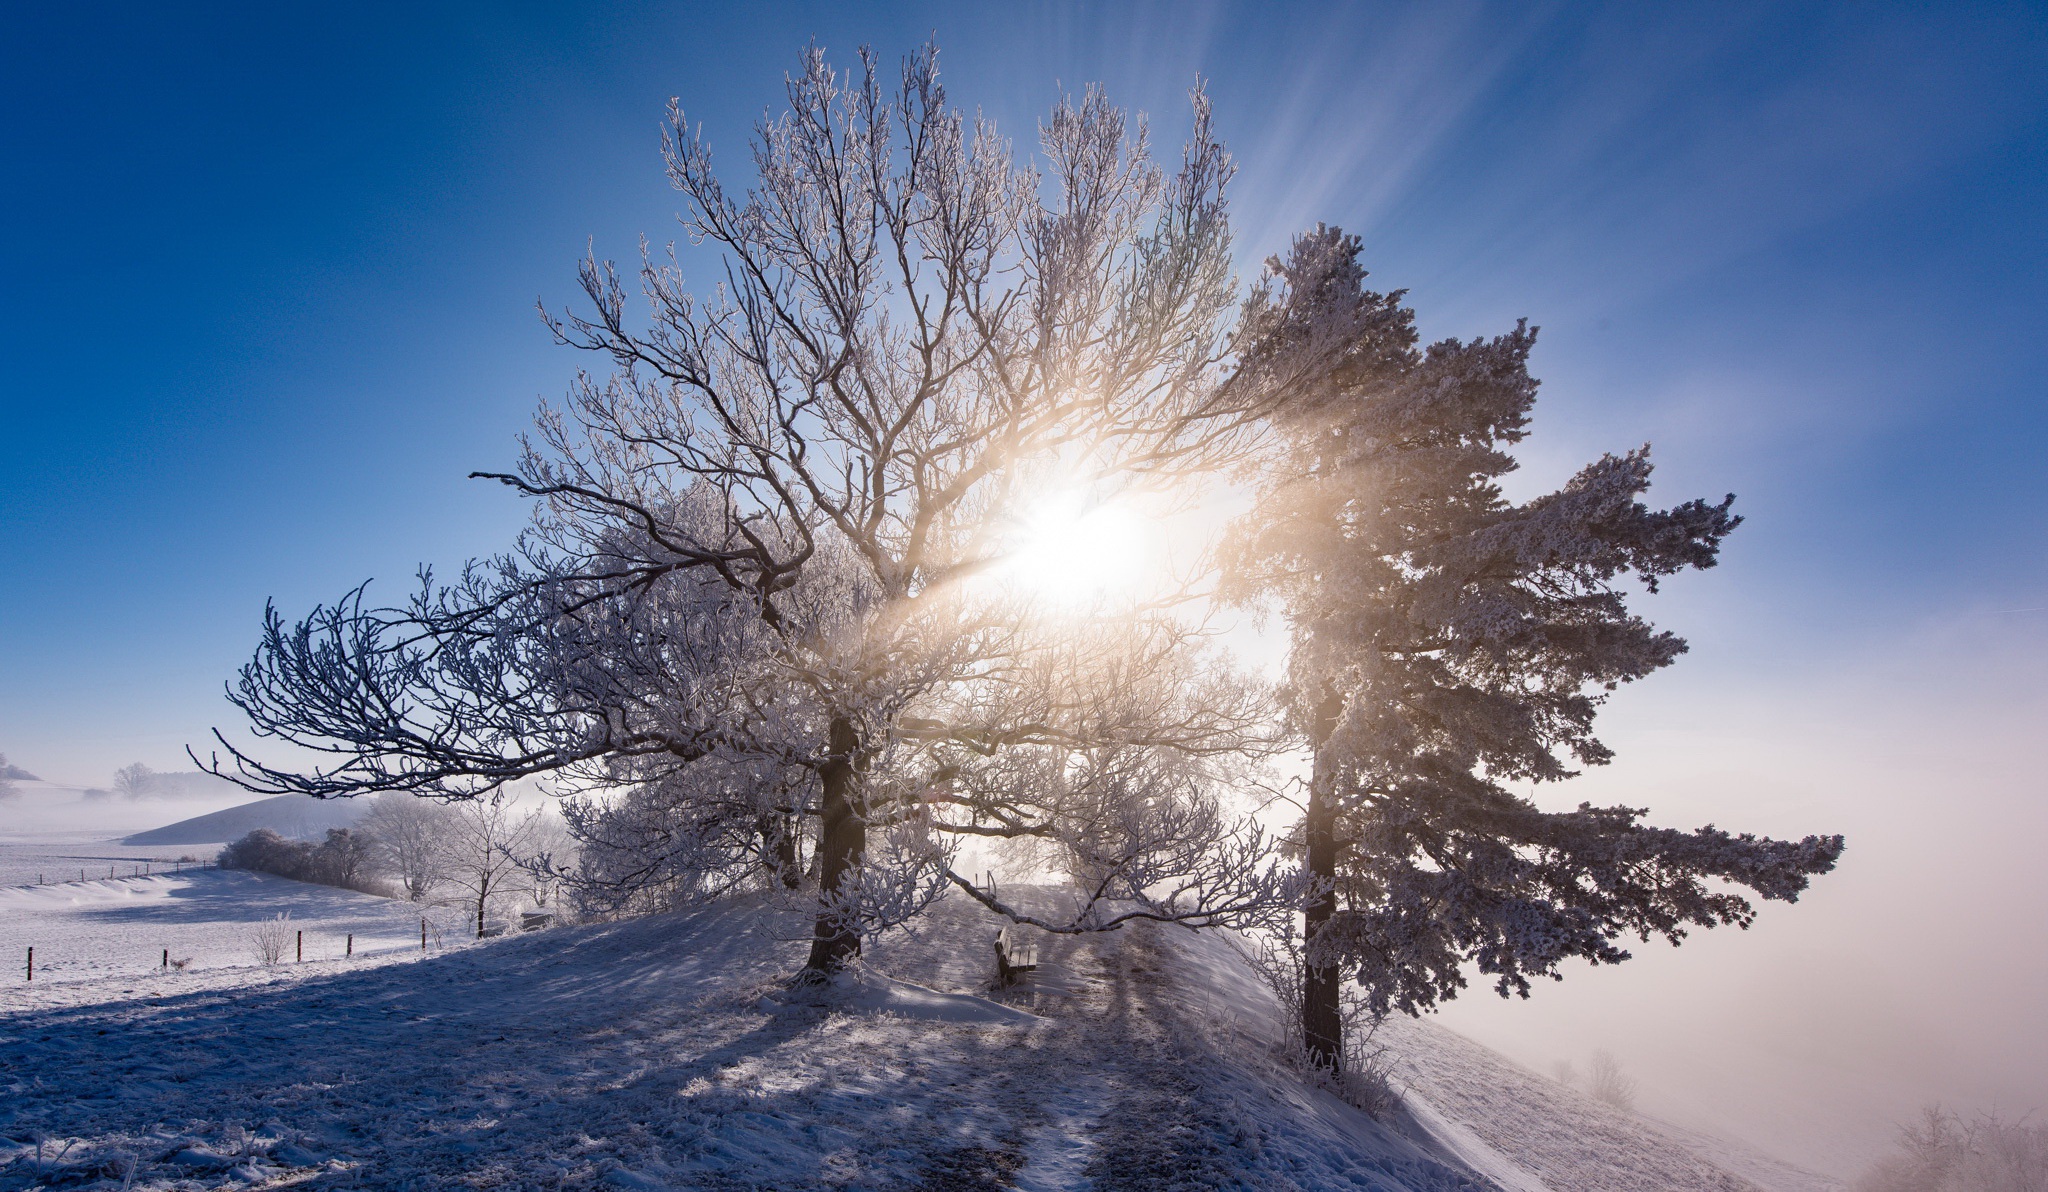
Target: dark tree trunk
<point x="842" y="838"/>
<point x="1322" y="1018"/>
<point x="778" y="848"/>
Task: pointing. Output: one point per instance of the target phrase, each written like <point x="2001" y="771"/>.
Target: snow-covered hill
<point x="294" y="816"/>
<point x="662" y="1053"/>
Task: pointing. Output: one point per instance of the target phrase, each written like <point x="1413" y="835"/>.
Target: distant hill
<point x="295" y="816"/>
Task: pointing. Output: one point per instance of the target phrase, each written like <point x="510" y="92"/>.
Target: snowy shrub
<point x="1943" y="1153"/>
<point x="270" y="938"/>
<point x="343" y="859"/>
<point x="1610" y="1084"/>
<point x="1365" y="1078"/>
<point x="1565" y="1073"/>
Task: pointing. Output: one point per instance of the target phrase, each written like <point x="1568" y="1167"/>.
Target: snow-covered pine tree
<point x="1448" y="642"/>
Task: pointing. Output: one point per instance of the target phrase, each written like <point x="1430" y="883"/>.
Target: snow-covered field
<point x="99" y="931"/>
<point x="64" y="856"/>
<point x="49" y="834"/>
<point x="662" y="1053"/>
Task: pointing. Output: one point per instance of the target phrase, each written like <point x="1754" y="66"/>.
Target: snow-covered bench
<point x="1014" y="954"/>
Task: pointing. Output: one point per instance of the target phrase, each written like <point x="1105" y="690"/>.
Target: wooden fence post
<point x="167" y="959"/>
<point x="423" y="933"/>
<point x="31" y="963"/>
<point x="302" y="947"/>
<point x="351" y="944"/>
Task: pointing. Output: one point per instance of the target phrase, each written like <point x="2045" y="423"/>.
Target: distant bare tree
<point x="342" y="859"/>
<point x="1610" y="1084"/>
<point x="133" y="782"/>
<point x="345" y="856"/>
<point x="482" y="848"/>
<point x="405" y="838"/>
<point x="1942" y="1152"/>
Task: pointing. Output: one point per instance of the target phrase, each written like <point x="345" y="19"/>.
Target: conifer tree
<point x="1450" y="648"/>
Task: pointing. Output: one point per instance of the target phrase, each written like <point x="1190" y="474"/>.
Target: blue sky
<point x="269" y="283"/>
<point x="271" y="272"/>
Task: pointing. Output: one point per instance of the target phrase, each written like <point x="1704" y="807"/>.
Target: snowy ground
<point x="661" y="1053"/>
<point x="1555" y="1137"/>
<point x="48" y="834"/>
<point x="63" y="856"/>
<point x="101" y="931"/>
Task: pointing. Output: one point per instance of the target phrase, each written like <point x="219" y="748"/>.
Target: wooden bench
<point x="1015" y="955"/>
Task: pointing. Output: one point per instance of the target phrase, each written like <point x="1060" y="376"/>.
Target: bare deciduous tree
<point x="1943" y="1152"/>
<point x="133" y="782"/>
<point x="757" y="540"/>
<point x="1607" y="1082"/>
<point x="404" y="835"/>
<point x="482" y="847"/>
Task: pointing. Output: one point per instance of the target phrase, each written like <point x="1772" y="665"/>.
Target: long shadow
<point x="629" y="1053"/>
<point x="504" y="1059"/>
<point x="225" y="898"/>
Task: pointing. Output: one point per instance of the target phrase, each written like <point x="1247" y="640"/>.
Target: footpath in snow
<point x="664" y="1053"/>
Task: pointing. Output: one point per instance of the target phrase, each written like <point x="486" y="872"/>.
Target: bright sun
<point x="1072" y="551"/>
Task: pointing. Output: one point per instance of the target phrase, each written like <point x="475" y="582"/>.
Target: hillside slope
<point x="294" y="816"/>
<point x="661" y="1053"/>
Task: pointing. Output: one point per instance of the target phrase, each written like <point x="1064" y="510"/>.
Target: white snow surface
<point x="668" y="1053"/>
<point x="1554" y="1137"/>
<point x="103" y="934"/>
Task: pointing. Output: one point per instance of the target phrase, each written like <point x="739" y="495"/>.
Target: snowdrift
<point x="667" y="1053"/>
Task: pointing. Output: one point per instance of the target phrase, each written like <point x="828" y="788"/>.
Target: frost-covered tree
<point x="133" y="782"/>
<point x="7" y="788"/>
<point x="483" y="850"/>
<point x="404" y="836"/>
<point x="750" y="594"/>
<point x="1943" y="1152"/>
<point x="1608" y="1082"/>
<point x="1450" y="648"/>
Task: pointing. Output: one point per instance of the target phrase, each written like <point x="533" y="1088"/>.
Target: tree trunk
<point x="842" y="838"/>
<point x="778" y="848"/>
<point x="1322" y="1018"/>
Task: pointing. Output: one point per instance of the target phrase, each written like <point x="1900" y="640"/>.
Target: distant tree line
<point x="138" y="781"/>
<point x="343" y="859"/>
<point x="484" y="856"/>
